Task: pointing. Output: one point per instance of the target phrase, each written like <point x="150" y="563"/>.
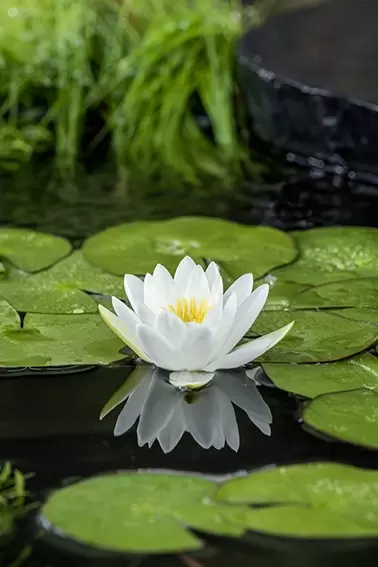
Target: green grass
<point x="138" y="65"/>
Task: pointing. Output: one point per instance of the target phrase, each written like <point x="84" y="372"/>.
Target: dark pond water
<point x="49" y="423"/>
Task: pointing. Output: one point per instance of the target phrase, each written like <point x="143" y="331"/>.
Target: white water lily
<point x="187" y="322"/>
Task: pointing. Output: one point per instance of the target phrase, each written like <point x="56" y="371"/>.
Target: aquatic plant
<point x="186" y="323"/>
<point x="142" y="68"/>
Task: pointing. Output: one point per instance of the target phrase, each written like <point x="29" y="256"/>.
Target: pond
<point x="151" y="421"/>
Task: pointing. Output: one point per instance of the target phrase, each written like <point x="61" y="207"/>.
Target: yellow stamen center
<point x="190" y="311"/>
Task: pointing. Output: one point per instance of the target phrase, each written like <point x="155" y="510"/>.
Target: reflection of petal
<point x="228" y="420"/>
<point x="170" y="436"/>
<point x="138" y="374"/>
<point x="157" y="410"/>
<point x="245" y="395"/>
<point x="199" y="418"/>
<point x="133" y="406"/>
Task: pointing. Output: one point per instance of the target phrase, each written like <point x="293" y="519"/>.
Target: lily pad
<point x="366" y="315"/>
<point x="282" y="294"/>
<point x="348" y="416"/>
<point x="59" y="289"/>
<point x="361" y="292"/>
<point x="54" y="340"/>
<point x="137" y="247"/>
<point x="314" y="500"/>
<point x="331" y="254"/>
<point x="311" y="380"/>
<point x="317" y="336"/>
<point x="141" y="513"/>
<point x="32" y="251"/>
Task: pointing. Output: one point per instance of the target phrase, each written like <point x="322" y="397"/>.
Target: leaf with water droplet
<point x="137" y="247"/>
<point x="332" y="254"/>
<point x="312" y="500"/>
<point x="32" y="251"/>
<point x="360" y="292"/>
<point x="140" y="513"/>
<point x="311" y="380"/>
<point x="347" y="416"/>
<point x="317" y="336"/>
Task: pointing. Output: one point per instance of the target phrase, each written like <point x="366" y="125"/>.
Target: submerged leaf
<point x="348" y="416"/>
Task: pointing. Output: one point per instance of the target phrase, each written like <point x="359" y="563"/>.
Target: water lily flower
<point x="165" y="413"/>
<point x="187" y="322"/>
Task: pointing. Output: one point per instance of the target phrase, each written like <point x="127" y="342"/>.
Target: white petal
<point x="250" y="350"/>
<point x="183" y="271"/>
<point x="215" y="281"/>
<point x="242" y="288"/>
<point x="146" y="315"/>
<point x="212" y="317"/>
<point x="246" y="315"/>
<point x="160" y="351"/>
<point x="155" y="294"/>
<point x="127" y="333"/>
<point x="197" y="285"/>
<point x="191" y="380"/>
<point x="198" y="346"/>
<point x="226" y="324"/>
<point x="163" y="281"/>
<point x="134" y="291"/>
<point x="127" y="315"/>
<point x="172" y="328"/>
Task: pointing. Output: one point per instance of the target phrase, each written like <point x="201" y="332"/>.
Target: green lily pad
<point x="348" y="416"/>
<point x="141" y="513"/>
<point x="282" y="294"/>
<point x="54" y="340"/>
<point x="311" y="380"/>
<point x="331" y="254"/>
<point x="317" y="336"/>
<point x="366" y="315"/>
<point x="60" y="288"/>
<point x="137" y="247"/>
<point x="32" y="251"/>
<point x="361" y="292"/>
<point x="314" y="500"/>
<point x="9" y="318"/>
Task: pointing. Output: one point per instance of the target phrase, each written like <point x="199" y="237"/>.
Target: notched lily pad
<point x="281" y="294"/>
<point x="137" y="247"/>
<point x="311" y="380"/>
<point x="140" y="513"/>
<point x="314" y="500"/>
<point x="61" y="288"/>
<point x="57" y="340"/>
<point x="317" y="336"/>
<point x="347" y="416"/>
<point x="331" y="254"/>
<point x="361" y="292"/>
<point x="32" y="251"/>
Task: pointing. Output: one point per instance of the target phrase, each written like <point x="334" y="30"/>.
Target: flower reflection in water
<point x="165" y="413"/>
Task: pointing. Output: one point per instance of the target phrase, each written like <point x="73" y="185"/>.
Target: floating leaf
<point x="32" y="251"/>
<point x="311" y="380"/>
<point x="348" y="416"/>
<point x="282" y="294"/>
<point x="361" y="292"/>
<point x="139" y="513"/>
<point x="137" y="247"/>
<point x="317" y="336"/>
<point x="315" y="500"/>
<point x="9" y="318"/>
<point x="59" y="289"/>
<point x="53" y="340"/>
<point x="366" y="315"/>
<point x="329" y="254"/>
